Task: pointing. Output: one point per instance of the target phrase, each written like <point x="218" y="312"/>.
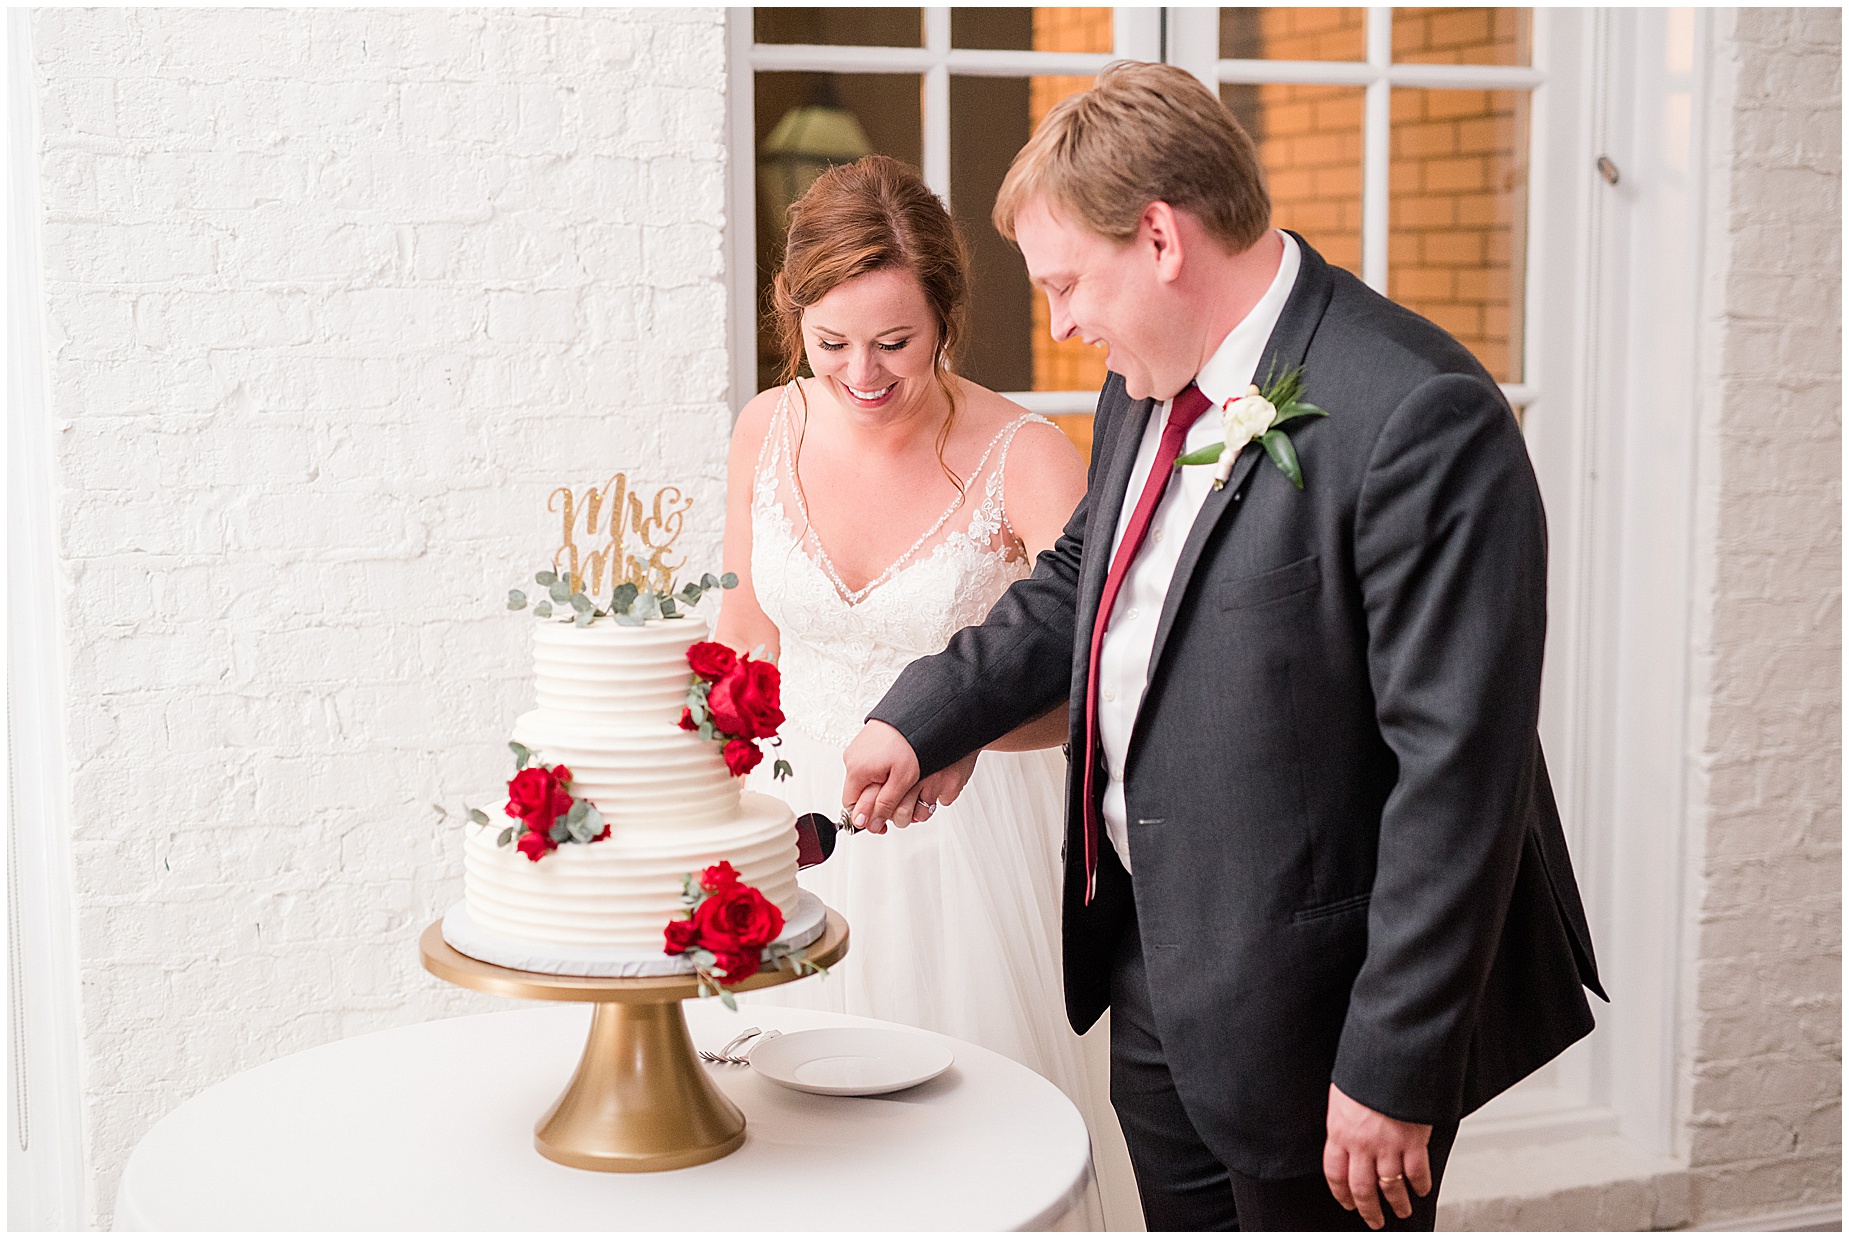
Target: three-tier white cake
<point x="609" y="702"/>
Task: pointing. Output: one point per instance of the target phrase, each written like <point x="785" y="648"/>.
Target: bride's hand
<point x="944" y="787"/>
<point x="882" y="773"/>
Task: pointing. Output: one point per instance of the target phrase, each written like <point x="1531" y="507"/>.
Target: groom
<point x="1313" y="864"/>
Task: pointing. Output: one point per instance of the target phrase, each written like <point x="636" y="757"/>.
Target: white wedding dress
<point x="955" y="920"/>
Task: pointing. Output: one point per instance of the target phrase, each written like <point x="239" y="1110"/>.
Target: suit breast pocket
<point x="1298" y="577"/>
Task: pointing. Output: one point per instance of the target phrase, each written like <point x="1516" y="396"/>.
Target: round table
<point x="430" y="1127"/>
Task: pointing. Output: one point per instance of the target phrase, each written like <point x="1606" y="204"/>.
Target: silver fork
<point x="724" y="1054"/>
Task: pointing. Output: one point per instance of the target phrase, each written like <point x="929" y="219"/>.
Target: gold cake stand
<point x="640" y="1100"/>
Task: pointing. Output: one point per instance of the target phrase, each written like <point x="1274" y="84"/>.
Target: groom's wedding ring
<point x="1390" y="1180"/>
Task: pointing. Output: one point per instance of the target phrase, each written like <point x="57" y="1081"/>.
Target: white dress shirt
<point x="1123" y="662"/>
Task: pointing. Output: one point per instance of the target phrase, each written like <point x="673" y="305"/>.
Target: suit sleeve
<point x="1451" y="557"/>
<point x="1015" y="665"/>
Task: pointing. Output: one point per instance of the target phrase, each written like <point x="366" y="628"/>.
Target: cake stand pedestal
<point x="640" y="1099"/>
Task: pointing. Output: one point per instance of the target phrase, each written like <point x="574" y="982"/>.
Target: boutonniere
<point x="1259" y="414"/>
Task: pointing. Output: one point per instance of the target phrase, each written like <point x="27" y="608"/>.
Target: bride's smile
<point x="872" y="344"/>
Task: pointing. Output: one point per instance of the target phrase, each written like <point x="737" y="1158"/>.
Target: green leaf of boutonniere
<point x="1283" y="455"/>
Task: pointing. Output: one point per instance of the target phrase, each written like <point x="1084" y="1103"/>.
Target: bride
<point x="872" y="510"/>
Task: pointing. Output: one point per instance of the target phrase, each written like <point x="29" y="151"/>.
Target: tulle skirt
<point x="955" y="922"/>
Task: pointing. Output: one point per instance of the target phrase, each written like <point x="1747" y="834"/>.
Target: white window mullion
<point x="1376" y="151"/>
<point x="936" y="141"/>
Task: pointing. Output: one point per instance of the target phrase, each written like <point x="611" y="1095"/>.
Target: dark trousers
<point x="1182" y="1184"/>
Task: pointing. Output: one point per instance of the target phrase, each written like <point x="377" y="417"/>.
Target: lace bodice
<point x="842" y="648"/>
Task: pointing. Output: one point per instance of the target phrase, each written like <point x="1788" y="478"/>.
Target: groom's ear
<point x="1159" y="234"/>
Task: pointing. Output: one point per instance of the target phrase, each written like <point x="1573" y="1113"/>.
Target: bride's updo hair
<point x="874" y="214"/>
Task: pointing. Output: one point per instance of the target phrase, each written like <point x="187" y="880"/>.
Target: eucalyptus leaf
<point x="781" y="769"/>
<point x="625" y="619"/>
<point x="559" y="832"/>
<point x="667" y="609"/>
<point x="560" y="592"/>
<point x="478" y="817"/>
<point x="594" y="819"/>
<point x="543" y="610"/>
<point x="576" y="813"/>
<point x="515" y="600"/>
<point x="708" y="581"/>
<point x="506" y="837"/>
<point x="707" y="731"/>
<point x="545" y="578"/>
<point x="730" y="1002"/>
<point x="729" y="580"/>
<point x="522" y="754"/>
<point x="623" y="596"/>
<point x="582" y="619"/>
<point x="646" y="606"/>
<point x="580" y="833"/>
<point x="580" y="603"/>
<point x="1283" y="455"/>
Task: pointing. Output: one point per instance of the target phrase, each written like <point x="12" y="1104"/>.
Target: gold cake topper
<point x="627" y="540"/>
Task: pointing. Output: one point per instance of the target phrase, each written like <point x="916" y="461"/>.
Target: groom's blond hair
<point x="1143" y="133"/>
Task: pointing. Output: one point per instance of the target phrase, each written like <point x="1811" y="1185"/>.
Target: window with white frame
<point x="1395" y="141"/>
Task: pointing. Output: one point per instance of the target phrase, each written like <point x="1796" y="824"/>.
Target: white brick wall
<point x="1763" y="1050"/>
<point x="335" y="299"/>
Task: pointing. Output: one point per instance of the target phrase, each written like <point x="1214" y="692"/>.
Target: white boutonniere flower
<point x="1244" y="418"/>
<point x="1258" y="414"/>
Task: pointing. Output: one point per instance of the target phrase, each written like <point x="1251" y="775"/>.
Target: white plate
<point x="851" y="1062"/>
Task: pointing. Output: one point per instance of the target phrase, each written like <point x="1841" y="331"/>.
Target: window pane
<point x="1040" y="30"/>
<point x="1009" y="347"/>
<point x="1462" y="36"/>
<point x="1293" y="34"/>
<point x="806" y="122"/>
<point x="1309" y="141"/>
<point x="1458" y="223"/>
<point x="857" y="27"/>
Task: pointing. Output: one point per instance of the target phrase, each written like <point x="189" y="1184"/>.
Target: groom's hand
<point x="1368" y="1155"/>
<point x="882" y="772"/>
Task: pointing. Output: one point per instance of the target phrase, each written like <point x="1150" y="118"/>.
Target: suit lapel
<point x="1290" y="341"/>
<point x="1107" y="509"/>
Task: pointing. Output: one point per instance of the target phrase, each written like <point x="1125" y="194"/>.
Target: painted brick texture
<point x="335" y="299"/>
<point x="1764" y="1048"/>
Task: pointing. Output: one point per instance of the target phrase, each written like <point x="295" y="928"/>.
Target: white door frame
<point x="1609" y="374"/>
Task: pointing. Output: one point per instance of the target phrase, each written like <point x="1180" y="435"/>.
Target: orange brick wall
<point x="1457" y="183"/>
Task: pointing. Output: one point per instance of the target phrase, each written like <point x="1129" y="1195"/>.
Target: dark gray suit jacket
<point x="1348" y="863"/>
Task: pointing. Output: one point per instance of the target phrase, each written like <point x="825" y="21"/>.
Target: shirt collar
<point x="1234" y="365"/>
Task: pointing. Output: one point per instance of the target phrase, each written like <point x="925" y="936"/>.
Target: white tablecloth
<point x="430" y="1127"/>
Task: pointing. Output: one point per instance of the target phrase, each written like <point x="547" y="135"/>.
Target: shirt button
<point x="1131" y="613"/>
<point x="1157" y="535"/>
<point x="1110" y="694"/>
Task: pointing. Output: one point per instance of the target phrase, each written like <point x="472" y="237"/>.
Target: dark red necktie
<point x="1184" y="411"/>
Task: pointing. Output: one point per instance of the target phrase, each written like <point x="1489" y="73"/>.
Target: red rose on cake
<point x="711" y="660"/>
<point x="744" y="703"/>
<point x="730" y="921"/>
<point x="535" y="844"/>
<point x="741" y="756"/>
<point x="537" y="796"/>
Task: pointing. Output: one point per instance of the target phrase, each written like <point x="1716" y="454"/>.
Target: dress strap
<point x="771" y="451"/>
<point x="995" y="491"/>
